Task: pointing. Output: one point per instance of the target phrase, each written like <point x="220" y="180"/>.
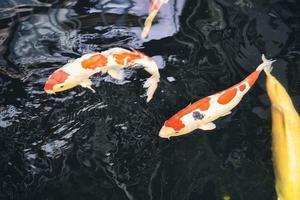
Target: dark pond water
<point x="83" y="146"/>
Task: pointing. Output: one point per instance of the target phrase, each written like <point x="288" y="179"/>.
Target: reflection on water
<point x="80" y="145"/>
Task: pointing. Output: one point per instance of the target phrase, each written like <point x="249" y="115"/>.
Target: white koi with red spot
<point x="202" y="113"/>
<point x="112" y="61"/>
<point x="154" y="8"/>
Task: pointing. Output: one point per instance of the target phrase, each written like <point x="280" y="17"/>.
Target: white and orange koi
<point x="154" y="8"/>
<point x="202" y="113"/>
<point x="111" y="61"/>
<point x="285" y="140"/>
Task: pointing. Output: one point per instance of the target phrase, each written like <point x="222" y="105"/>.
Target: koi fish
<point x="285" y="140"/>
<point x="202" y="113"/>
<point x="155" y="6"/>
<point x="111" y="61"/>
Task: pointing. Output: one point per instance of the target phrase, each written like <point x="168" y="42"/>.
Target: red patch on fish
<point x="227" y="96"/>
<point x="94" y="61"/>
<point x="175" y="121"/>
<point x="242" y="87"/>
<point x="127" y="56"/>
<point x="155" y="5"/>
<point x="57" y="77"/>
<point x="203" y="104"/>
<point x="251" y="79"/>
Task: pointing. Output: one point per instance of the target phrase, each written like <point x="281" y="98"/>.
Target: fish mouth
<point x="166" y="132"/>
<point x="49" y="92"/>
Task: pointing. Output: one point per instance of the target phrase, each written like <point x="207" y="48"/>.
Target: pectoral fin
<point x="116" y="74"/>
<point x="87" y="84"/>
<point x="208" y="126"/>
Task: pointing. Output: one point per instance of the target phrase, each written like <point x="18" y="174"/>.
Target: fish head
<point x="59" y="81"/>
<point x="174" y="127"/>
<point x="167" y="132"/>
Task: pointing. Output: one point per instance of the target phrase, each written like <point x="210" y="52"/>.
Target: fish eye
<point x="60" y="86"/>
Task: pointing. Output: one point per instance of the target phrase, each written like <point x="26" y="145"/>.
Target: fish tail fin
<point x="266" y="65"/>
<point x="153" y="81"/>
<point x="268" y="69"/>
<point x="151" y="85"/>
<point x="150" y="66"/>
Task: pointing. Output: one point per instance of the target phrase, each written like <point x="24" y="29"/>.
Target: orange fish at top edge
<point x="154" y="8"/>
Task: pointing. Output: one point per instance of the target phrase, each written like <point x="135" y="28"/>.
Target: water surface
<point x="84" y="146"/>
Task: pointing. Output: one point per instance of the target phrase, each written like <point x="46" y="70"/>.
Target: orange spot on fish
<point x="242" y="87"/>
<point x="175" y="121"/>
<point x="203" y="104"/>
<point x="227" y="96"/>
<point x="155" y="5"/>
<point x="126" y="57"/>
<point x="57" y="77"/>
<point x="251" y="79"/>
<point x="94" y="61"/>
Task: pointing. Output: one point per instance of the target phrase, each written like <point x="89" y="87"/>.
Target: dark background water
<point x="83" y="146"/>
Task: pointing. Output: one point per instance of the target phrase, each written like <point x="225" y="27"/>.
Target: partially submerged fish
<point x="285" y="140"/>
<point x="155" y="6"/>
<point x="112" y="61"/>
<point x="202" y="113"/>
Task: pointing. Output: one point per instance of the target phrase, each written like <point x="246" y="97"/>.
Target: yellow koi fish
<point x="285" y="140"/>
<point x="155" y="6"/>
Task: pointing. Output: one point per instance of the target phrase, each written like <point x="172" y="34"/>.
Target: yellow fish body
<point x="285" y="141"/>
